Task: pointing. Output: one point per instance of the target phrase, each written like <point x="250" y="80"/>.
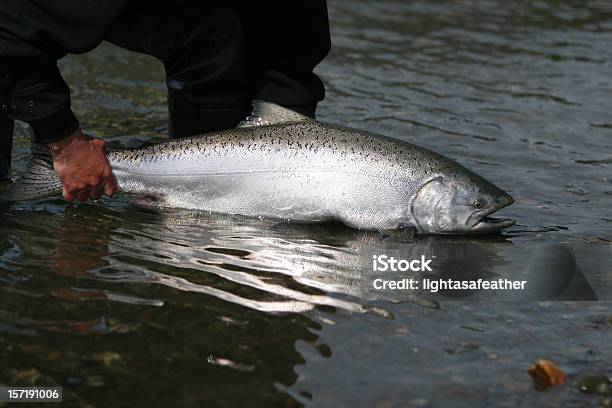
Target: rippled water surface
<point x="116" y="302"/>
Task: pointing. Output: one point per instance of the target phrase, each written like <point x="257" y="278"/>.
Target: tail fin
<point x="39" y="181"/>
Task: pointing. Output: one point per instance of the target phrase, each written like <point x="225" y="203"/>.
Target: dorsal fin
<point x="268" y="113"/>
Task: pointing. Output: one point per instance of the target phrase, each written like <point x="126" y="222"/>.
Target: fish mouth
<point x="486" y="224"/>
<point x="491" y="224"/>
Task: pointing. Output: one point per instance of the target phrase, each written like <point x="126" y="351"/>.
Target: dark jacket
<point x="282" y="42"/>
<point x="34" y="34"/>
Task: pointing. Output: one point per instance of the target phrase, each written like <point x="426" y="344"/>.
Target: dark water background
<point x="123" y="306"/>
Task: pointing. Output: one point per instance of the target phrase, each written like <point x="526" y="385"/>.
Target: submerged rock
<point x="598" y="384"/>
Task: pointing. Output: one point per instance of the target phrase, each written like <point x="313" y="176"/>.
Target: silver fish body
<point x="305" y="171"/>
<point x="280" y="164"/>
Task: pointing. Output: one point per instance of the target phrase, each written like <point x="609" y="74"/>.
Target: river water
<point x="122" y="305"/>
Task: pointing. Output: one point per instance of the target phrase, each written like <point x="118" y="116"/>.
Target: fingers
<point x="98" y="143"/>
<point x="72" y="192"/>
<point x="110" y="188"/>
<point x="92" y="191"/>
<point x="95" y="193"/>
<point x="68" y="196"/>
<point x="95" y="188"/>
<point x="82" y="195"/>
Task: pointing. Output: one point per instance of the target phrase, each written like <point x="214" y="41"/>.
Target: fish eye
<point x="479" y="203"/>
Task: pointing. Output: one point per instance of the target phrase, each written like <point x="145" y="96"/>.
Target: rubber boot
<point x="6" y="145"/>
<point x="189" y="118"/>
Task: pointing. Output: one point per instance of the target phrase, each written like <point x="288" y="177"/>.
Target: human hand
<point x="81" y="165"/>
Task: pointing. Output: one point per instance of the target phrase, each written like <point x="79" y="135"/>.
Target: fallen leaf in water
<point x="546" y="375"/>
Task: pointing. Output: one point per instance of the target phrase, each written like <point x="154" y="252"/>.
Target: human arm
<point x="34" y="34"/>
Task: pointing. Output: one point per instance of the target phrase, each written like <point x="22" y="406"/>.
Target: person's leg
<point x="285" y="41"/>
<point x="6" y="132"/>
<point x="208" y="88"/>
<point x="6" y="145"/>
<point x="202" y="47"/>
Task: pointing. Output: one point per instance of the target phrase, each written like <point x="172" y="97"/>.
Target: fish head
<point x="459" y="204"/>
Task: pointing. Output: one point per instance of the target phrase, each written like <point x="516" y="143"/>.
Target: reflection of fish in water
<point x="276" y="267"/>
<point x="280" y="164"/>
